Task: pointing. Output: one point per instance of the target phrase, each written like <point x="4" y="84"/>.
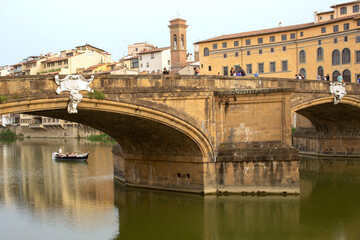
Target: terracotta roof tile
<point x="154" y="50"/>
<point x="275" y="30"/>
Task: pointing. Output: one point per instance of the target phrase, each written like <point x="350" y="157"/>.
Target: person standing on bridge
<point x="232" y="72"/>
<point x="327" y="77"/>
<point x="340" y="78"/>
<point x="242" y="71"/>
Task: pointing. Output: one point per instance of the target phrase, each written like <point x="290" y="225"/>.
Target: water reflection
<point x="66" y="195"/>
<point x="42" y="199"/>
<point x="326" y="209"/>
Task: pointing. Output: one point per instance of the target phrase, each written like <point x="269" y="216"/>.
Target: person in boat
<point x="60" y="150"/>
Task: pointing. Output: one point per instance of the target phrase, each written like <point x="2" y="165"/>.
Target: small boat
<point x="71" y="157"/>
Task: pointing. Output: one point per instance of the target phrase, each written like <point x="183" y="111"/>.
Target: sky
<point x="31" y="28"/>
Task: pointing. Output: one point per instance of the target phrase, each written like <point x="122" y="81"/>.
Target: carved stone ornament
<point x="338" y="90"/>
<point x="73" y="84"/>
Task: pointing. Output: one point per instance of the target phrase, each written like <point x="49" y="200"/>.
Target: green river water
<point x="44" y="199"/>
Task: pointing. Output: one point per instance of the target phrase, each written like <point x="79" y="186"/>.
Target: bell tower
<point x="178" y="43"/>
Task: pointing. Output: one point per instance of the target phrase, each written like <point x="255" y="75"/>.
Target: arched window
<point x="302" y="56"/>
<point x="347" y="76"/>
<point x="175" y="41"/>
<point x="321" y="71"/>
<point x="346" y="56"/>
<point x="182" y="41"/>
<point x="303" y="73"/>
<point x="335" y="75"/>
<point x="206" y="52"/>
<point x="336" y="57"/>
<point x="320" y="54"/>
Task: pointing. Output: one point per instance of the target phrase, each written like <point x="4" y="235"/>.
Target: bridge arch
<point x="141" y="131"/>
<point x="337" y="127"/>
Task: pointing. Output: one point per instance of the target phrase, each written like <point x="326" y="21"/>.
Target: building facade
<point x="329" y="45"/>
<point x="154" y="61"/>
<point x="134" y="49"/>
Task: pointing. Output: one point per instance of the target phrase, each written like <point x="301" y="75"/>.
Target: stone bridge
<point x="202" y="134"/>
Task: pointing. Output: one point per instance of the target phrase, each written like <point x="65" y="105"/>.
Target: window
<point x="248" y="42"/>
<point x="147" y="64"/>
<point x="152" y="55"/>
<point x="272" y="67"/>
<point x="358" y="23"/>
<point x="44" y="65"/>
<point x="284" y="65"/>
<point x="336" y="28"/>
<point x="224" y="44"/>
<point x="175" y="41"/>
<point x="357" y="39"/>
<point x="225" y="55"/>
<point x="320" y="54"/>
<point x="214" y="46"/>
<point x="260" y="40"/>
<point x="272" y="38"/>
<point x="331" y="16"/>
<point x="356" y="8"/>
<point x="236" y="43"/>
<point x="249" y="68"/>
<point x="336" y="57"/>
<point x="236" y="54"/>
<point x="292" y="36"/>
<point x="323" y="30"/>
<point x="226" y="71"/>
<point x="346" y="26"/>
<point x="206" y="52"/>
<point x="343" y="10"/>
<point x="346" y="56"/>
<point x="335" y="40"/>
<point x="260" y="51"/>
<point x="261" y="68"/>
<point x="319" y="42"/>
<point x="320" y="71"/>
<point x="135" y="63"/>
<point x="283" y="37"/>
<point x="335" y="75"/>
<point x="140" y="57"/>
<point x="345" y="39"/>
<point x="284" y="49"/>
<point x="182" y="42"/>
<point x="347" y="76"/>
<point x="357" y="56"/>
<point x="271" y="50"/>
<point x="302" y="56"/>
<point x="209" y="68"/>
<point x="301" y="34"/>
<point x="248" y="53"/>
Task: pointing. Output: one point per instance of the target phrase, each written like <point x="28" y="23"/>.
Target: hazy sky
<point x="33" y="27"/>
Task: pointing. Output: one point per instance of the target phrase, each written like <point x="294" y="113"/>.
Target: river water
<point x="44" y="199"/>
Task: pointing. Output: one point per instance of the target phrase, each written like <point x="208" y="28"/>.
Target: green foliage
<point x="100" y="138"/>
<point x="49" y="71"/>
<point x="97" y="95"/>
<point x="3" y="99"/>
<point x="293" y="129"/>
<point x="9" y="136"/>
